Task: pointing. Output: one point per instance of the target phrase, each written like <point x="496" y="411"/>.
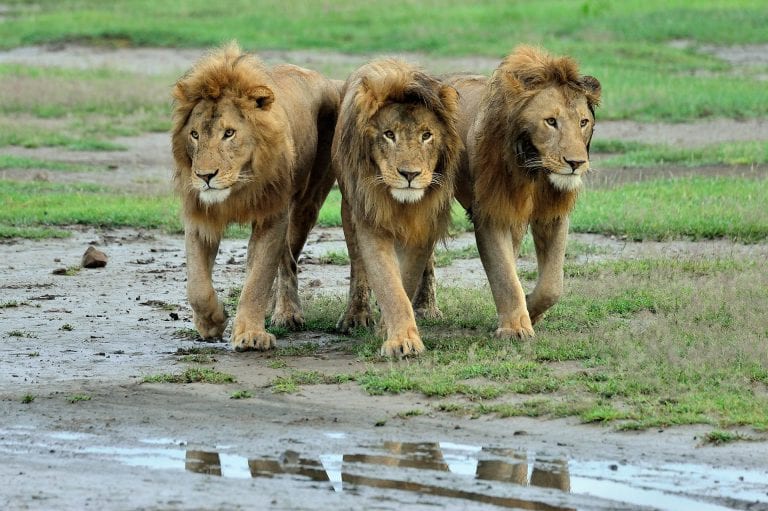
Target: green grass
<point x="76" y="398"/>
<point x="625" y="44"/>
<point x="696" y="208"/>
<point x="619" y="349"/>
<point x="192" y="375"/>
<point x="241" y="394"/>
<point x="21" y="162"/>
<point x="33" y="205"/>
<point x="636" y="155"/>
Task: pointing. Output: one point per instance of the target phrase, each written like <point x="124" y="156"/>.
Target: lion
<point x="251" y="146"/>
<point x="395" y="155"/>
<point x="527" y="132"/>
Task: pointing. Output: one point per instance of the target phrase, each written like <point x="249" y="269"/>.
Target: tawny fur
<point x="366" y="91"/>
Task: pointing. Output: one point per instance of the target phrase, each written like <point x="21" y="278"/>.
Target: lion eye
<point x="389" y="134"/>
<point x="426" y="136"/>
<point x="584" y="122"/>
<point x="193" y="134"/>
<point x="551" y="121"/>
<point x="228" y="133"/>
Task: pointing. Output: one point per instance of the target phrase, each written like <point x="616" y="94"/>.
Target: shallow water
<point x="511" y="478"/>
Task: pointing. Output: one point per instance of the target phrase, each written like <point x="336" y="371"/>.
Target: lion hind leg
<point x="358" y="310"/>
<point x="425" y="300"/>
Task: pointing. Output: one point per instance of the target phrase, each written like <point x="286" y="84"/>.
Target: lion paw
<point x="401" y="346"/>
<point x="520" y="331"/>
<point x="248" y="340"/>
<point x="211" y="326"/>
<point x="292" y="320"/>
<point x="428" y="312"/>
<point x="353" y="319"/>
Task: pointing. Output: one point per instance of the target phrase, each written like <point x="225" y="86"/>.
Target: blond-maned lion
<point x="527" y="130"/>
<point x="395" y="154"/>
<point x="251" y="146"/>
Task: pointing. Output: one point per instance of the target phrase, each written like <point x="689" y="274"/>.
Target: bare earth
<point x="135" y="445"/>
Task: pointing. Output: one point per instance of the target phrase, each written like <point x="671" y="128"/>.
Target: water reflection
<point x="392" y="457"/>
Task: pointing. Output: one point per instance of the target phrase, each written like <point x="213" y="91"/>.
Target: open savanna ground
<point x="664" y="319"/>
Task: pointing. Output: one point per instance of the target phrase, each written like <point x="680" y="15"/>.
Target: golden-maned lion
<point x="527" y="131"/>
<point x="252" y="146"/>
<point x="395" y="154"/>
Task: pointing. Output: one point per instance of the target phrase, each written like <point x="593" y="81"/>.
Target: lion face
<point x="558" y="123"/>
<point x="406" y="149"/>
<point x="220" y="145"/>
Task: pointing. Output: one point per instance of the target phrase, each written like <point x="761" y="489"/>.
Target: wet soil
<point x="132" y="445"/>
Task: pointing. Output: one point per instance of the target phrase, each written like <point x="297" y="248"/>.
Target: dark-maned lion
<point x="395" y="154"/>
<point x="252" y="146"/>
<point x="527" y="131"/>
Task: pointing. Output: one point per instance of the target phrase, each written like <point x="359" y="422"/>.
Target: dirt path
<point x="134" y="445"/>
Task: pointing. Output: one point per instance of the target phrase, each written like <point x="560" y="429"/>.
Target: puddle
<point x="508" y="478"/>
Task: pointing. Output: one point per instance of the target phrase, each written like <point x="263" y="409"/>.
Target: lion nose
<point x="207" y="176"/>
<point x="575" y="164"/>
<point x="409" y="175"/>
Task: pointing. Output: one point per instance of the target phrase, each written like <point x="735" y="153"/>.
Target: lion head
<point x="532" y="135"/>
<point x="397" y="147"/>
<point x="231" y="144"/>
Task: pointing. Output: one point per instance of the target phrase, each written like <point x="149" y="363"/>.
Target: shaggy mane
<point x="228" y="73"/>
<point x="508" y="193"/>
<point x="370" y="88"/>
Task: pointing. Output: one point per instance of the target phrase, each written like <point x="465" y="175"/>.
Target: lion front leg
<point x="380" y="260"/>
<point x="549" y="238"/>
<point x="498" y="252"/>
<point x="265" y="249"/>
<point x="208" y="313"/>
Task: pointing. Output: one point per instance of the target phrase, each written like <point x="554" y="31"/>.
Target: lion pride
<point x="251" y="146"/>
<point x="395" y="154"/>
<point x="527" y="131"/>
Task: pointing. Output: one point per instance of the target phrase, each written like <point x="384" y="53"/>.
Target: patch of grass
<point x="76" y="398"/>
<point x="410" y="413"/>
<point x="241" y="394"/>
<point x="192" y="375"/>
<point x="446" y="256"/>
<point x="35" y="205"/>
<point x="718" y="437"/>
<point x="197" y="358"/>
<point x="190" y="334"/>
<point x="618" y="348"/>
<point x="28" y="398"/>
<point x="633" y="154"/>
<point x="696" y="208"/>
<point x="625" y="46"/>
<point x="20" y="333"/>
<point x="8" y="161"/>
<point x="291" y="383"/>
<point x="339" y="258"/>
<point x="66" y="327"/>
<point x="9" y="304"/>
<point x="304" y="349"/>
<point x="277" y="364"/>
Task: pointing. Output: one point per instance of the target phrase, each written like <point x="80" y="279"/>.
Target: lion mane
<point x="367" y="90"/>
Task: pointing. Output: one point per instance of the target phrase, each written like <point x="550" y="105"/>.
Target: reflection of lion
<point x="395" y="154"/>
<point x="252" y="145"/>
<point x="527" y="132"/>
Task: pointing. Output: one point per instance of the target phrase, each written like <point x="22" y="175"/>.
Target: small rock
<point x="59" y="271"/>
<point x="315" y="283"/>
<point x="94" y="258"/>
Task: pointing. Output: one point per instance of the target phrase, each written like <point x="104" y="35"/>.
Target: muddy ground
<point x="132" y="445"/>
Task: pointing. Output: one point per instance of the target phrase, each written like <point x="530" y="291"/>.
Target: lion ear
<point x="367" y="100"/>
<point x="262" y="96"/>
<point x="450" y="98"/>
<point x="592" y="86"/>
